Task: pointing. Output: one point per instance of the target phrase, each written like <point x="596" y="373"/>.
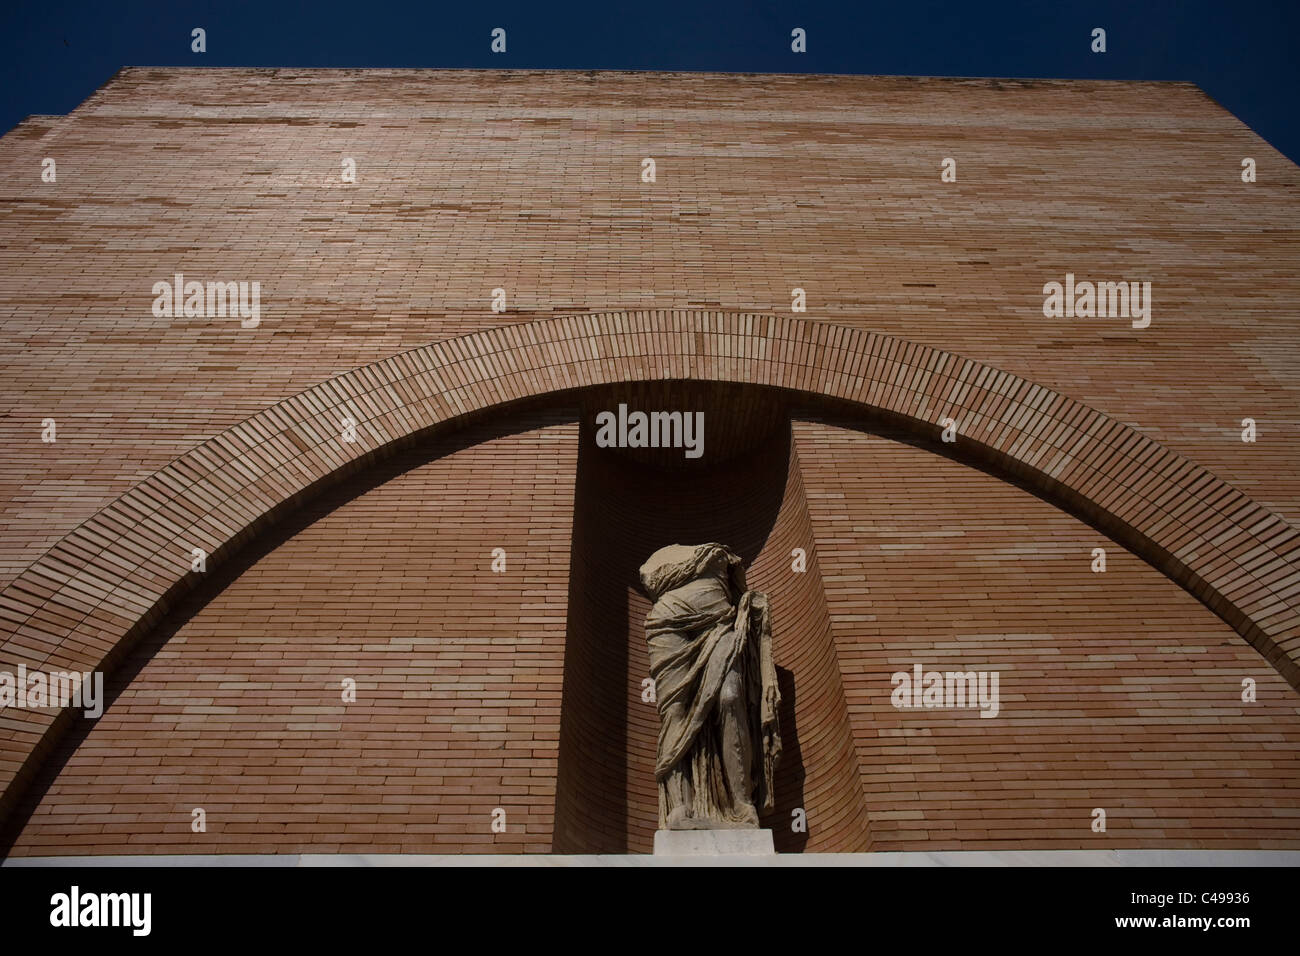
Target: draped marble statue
<point x="710" y="643"/>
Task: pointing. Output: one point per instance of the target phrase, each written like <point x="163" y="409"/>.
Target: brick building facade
<point x="521" y="689"/>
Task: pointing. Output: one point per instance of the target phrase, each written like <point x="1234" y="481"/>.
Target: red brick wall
<point x="469" y="180"/>
<point x="1119" y="690"/>
<point x="458" y="674"/>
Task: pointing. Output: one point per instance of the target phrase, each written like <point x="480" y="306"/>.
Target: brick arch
<point x="112" y="578"/>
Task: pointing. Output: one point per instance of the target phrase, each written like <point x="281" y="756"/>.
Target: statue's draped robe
<point x="703" y="623"/>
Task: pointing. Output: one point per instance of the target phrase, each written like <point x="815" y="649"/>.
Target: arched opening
<point x="113" y="580"/>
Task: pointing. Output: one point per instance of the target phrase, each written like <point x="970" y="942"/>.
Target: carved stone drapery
<point x="710" y="643"/>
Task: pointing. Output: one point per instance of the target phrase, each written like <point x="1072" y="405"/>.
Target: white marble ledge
<point x="956" y="858"/>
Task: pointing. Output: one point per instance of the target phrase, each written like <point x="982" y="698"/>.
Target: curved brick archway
<point x="114" y="576"/>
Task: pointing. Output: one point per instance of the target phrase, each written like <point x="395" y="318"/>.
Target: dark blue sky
<point x="54" y="54"/>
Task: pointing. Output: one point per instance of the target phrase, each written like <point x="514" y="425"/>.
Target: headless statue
<point x="710" y="643"/>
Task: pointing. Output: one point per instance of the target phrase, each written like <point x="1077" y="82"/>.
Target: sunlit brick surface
<point x="469" y="181"/>
<point x="457" y="669"/>
<point x="1117" y="691"/>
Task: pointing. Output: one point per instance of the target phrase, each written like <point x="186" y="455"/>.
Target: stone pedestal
<point x="713" y="843"/>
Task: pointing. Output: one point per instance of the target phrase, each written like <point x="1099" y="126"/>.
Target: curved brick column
<point x="112" y="578"/>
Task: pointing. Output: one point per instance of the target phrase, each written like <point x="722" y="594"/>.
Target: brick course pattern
<point x="194" y="432"/>
<point x="116" y="575"/>
<point x="473" y="180"/>
<point x="1117" y="690"/>
<point x="237" y="706"/>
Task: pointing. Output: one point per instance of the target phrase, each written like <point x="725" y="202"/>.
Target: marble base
<point x="980" y="858"/>
<point x="713" y="843"/>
